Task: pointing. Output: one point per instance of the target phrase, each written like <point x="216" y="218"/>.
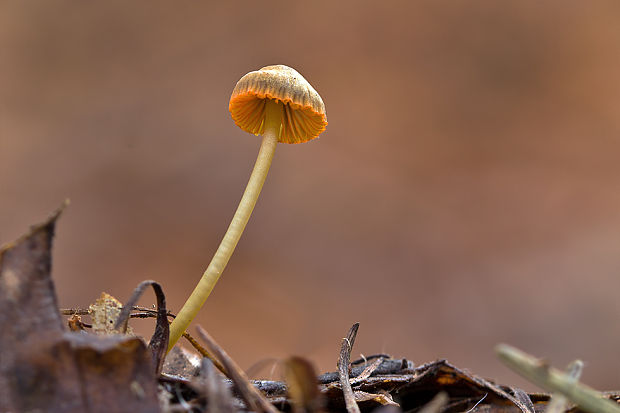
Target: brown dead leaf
<point x="45" y="368"/>
<point x="82" y="372"/>
<point x="27" y="299"/>
<point x="303" y="387"/>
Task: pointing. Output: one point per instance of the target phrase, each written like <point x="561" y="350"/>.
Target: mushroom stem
<point x="273" y="123"/>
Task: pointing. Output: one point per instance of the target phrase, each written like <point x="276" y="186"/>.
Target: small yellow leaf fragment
<point x="104" y="313"/>
<point x="383" y="398"/>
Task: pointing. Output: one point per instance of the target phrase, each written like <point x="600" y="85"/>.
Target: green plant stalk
<point x="273" y="124"/>
<point x="554" y="380"/>
<point x="558" y="402"/>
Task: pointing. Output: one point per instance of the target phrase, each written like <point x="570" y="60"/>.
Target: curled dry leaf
<point x="159" y="341"/>
<point x="303" y="387"/>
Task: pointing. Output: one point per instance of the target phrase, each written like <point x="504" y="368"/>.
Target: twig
<point x="203" y="351"/>
<point x="343" y="369"/>
<point x="365" y="359"/>
<point x="524" y="399"/>
<point x="143" y="312"/>
<point x="72" y="311"/>
<point x="554" y="380"/>
<point x="251" y="395"/>
<point x="367" y="372"/>
<point x="387" y="367"/>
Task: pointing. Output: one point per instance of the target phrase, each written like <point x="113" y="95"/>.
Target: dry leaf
<point x="104" y="313"/>
<point x="43" y="367"/>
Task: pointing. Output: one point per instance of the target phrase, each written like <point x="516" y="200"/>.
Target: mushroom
<point x="277" y="102"/>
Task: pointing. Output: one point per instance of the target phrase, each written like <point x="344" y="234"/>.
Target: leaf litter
<point x="53" y="365"/>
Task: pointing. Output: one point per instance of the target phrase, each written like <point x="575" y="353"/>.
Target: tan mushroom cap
<point x="304" y="112"/>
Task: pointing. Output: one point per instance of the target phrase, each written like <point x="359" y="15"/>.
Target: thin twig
<point x="143" y="312"/>
<point x="251" y="395"/>
<point x="343" y="369"/>
<point x="72" y="311"/>
<point x="524" y="399"/>
<point x="367" y="372"/>
<point x="554" y="380"/>
<point x="203" y="351"/>
<point x="365" y="359"/>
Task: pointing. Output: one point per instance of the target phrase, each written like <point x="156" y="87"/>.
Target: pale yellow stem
<point x="273" y="124"/>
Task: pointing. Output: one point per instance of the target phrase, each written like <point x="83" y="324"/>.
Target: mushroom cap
<point x="304" y="112"/>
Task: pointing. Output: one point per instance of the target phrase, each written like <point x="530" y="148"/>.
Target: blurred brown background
<point x="465" y="193"/>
